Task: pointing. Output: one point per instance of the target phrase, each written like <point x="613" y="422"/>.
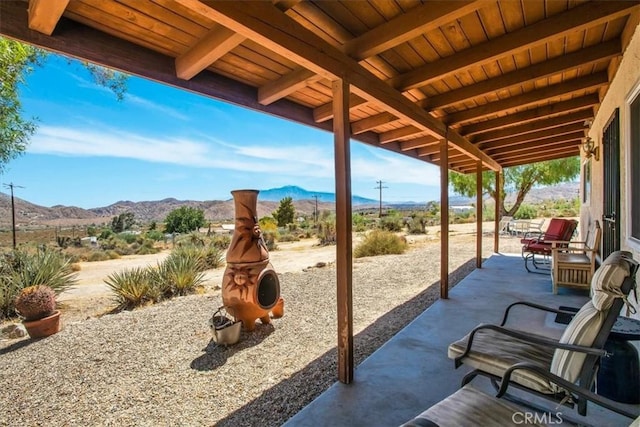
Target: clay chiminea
<point x="250" y="286"/>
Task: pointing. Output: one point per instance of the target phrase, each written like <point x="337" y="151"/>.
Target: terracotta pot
<point x="43" y="327"/>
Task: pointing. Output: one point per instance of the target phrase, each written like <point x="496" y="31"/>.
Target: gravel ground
<point x="157" y="366"/>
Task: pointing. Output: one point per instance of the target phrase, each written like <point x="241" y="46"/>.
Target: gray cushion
<point x="470" y="407"/>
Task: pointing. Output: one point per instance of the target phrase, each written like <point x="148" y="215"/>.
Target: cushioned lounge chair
<point x="537" y="249"/>
<point x="471" y="407"/>
<point x="492" y="350"/>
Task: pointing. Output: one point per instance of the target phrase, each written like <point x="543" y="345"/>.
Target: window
<point x="635" y="167"/>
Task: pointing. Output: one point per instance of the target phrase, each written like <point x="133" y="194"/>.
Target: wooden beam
<point x="563" y="107"/>
<point x="213" y="46"/>
<point x="534" y="126"/>
<point x="371" y="122"/>
<point x="325" y="112"/>
<point x="532" y="73"/>
<point x="534" y="136"/>
<point x="424" y="141"/>
<point x="592" y="81"/>
<point x="88" y="44"/>
<point x="444" y="220"/>
<point x="401" y="29"/>
<point x="45" y="14"/>
<point x="537" y="150"/>
<point x="285" y="85"/>
<point x="396" y="134"/>
<point x="572" y="21"/>
<point x="428" y="151"/>
<point x="269" y="27"/>
<point x="479" y="206"/>
<point x="542" y="157"/>
<point x="344" y="261"/>
<point x="539" y="144"/>
<point x="206" y="51"/>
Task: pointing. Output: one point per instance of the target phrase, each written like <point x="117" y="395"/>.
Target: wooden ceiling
<point x="505" y="82"/>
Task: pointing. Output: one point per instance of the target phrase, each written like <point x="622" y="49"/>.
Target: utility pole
<point x="11" y="185"/>
<point x="380" y="187"/>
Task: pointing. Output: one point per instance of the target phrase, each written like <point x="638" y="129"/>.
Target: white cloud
<point x="103" y="142"/>
<point x="162" y="109"/>
<point x="393" y="168"/>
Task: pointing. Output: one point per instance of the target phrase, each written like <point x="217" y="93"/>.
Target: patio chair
<point x="537" y="248"/>
<point x="469" y="406"/>
<point x="493" y="350"/>
<point x="573" y="265"/>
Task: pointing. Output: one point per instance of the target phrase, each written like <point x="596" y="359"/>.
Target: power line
<point x="380" y="187"/>
<point x="11" y="185"/>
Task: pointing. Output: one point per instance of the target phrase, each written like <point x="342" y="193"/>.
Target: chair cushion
<point x="470" y="407"/>
<point x="607" y="280"/>
<point x="494" y="352"/>
<point x="582" y="330"/>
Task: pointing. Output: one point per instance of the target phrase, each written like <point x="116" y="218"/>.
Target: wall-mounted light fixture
<point x="590" y="149"/>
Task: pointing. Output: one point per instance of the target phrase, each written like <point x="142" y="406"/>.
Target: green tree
<point x="184" y="220"/>
<point x="285" y="212"/>
<point x="519" y="179"/>
<point x="122" y="222"/>
<point x="17" y="61"/>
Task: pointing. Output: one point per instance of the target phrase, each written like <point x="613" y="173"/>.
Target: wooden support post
<point x="496" y="234"/>
<point x="479" y="214"/>
<point x="444" y="219"/>
<point x="344" y="261"/>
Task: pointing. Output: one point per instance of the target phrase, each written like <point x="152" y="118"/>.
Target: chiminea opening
<point x="268" y="289"/>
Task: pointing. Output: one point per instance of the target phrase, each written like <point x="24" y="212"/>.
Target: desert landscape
<point x="158" y="365"/>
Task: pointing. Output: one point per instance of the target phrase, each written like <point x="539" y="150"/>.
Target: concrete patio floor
<point x="411" y="372"/>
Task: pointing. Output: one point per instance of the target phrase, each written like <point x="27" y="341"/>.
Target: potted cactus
<point x="37" y="304"/>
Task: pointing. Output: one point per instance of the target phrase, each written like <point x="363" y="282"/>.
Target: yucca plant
<point x="45" y="267"/>
<point x="181" y="275"/>
<point x="133" y="287"/>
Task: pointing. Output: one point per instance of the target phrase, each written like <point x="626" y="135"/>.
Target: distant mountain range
<point x="29" y="214"/>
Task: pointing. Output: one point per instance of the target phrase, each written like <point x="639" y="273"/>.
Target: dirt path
<point x="92" y="297"/>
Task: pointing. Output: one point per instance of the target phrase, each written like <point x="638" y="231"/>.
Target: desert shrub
<point x="147" y="247"/>
<point x="105" y="234"/>
<point x="288" y="237"/>
<point x="45" y="268"/>
<point x="212" y="257"/>
<point x="417" y="224"/>
<point x="220" y="241"/>
<point x="526" y="212"/>
<point x="269" y="238"/>
<point x="180" y="274"/>
<point x="76" y="267"/>
<point x="359" y="222"/>
<point x="133" y="287"/>
<point x="380" y="242"/>
<point x="390" y="223"/>
<point x="155" y="235"/>
<point x="97" y="256"/>
<point x="327" y="229"/>
<point x="113" y="254"/>
<point x="129" y="238"/>
<point x="20" y="269"/>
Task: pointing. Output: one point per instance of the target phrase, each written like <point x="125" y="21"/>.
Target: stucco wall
<point x="623" y="89"/>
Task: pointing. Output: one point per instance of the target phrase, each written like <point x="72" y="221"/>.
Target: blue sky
<point x="91" y="150"/>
